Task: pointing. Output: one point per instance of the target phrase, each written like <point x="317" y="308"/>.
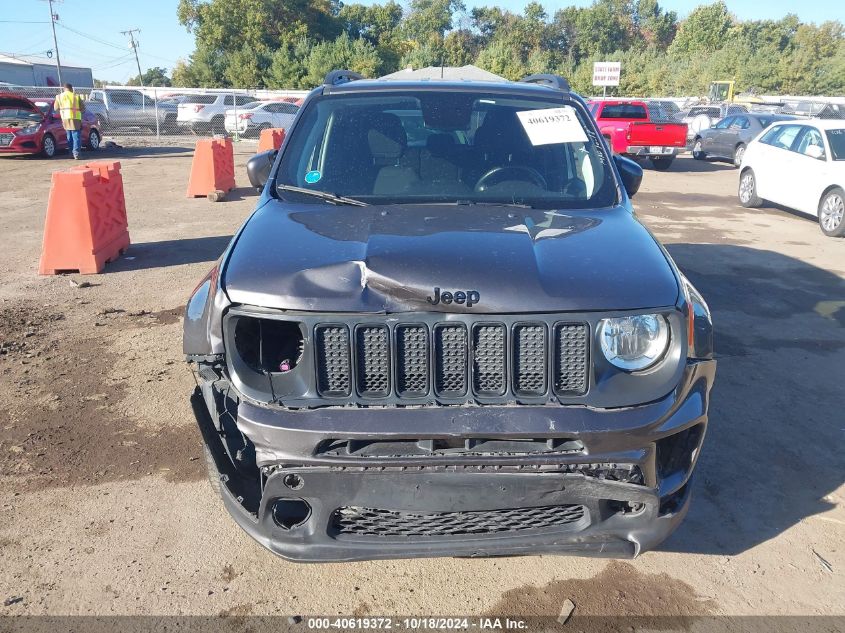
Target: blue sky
<point x="95" y="39"/>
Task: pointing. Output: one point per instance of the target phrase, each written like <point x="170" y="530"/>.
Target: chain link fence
<point x="120" y="111"/>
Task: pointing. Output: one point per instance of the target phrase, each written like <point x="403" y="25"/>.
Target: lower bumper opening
<point x="376" y="522"/>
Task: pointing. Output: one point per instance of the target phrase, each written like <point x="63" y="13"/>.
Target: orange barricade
<point x="86" y="220"/>
<point x="213" y="167"/>
<point x="271" y="138"/>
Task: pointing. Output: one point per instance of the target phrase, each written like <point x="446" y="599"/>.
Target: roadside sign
<point x="606" y="73"/>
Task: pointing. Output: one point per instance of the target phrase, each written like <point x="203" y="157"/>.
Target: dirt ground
<point x="105" y="505"/>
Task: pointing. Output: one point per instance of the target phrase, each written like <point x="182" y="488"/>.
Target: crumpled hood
<point x="390" y="259"/>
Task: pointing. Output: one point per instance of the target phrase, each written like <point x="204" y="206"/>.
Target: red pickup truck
<point x="640" y="129"/>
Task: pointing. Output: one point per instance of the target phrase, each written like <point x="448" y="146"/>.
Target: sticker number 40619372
<point x="552" y="125"/>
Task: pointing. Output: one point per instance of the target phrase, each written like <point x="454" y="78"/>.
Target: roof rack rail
<point x="337" y="77"/>
<point x="552" y="81"/>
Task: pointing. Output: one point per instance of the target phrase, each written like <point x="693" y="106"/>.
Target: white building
<point x="29" y="70"/>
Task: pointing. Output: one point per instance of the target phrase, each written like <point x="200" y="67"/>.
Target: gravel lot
<point x="105" y="505"/>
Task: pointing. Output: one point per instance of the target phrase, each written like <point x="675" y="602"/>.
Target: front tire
<point x="48" y="146"/>
<point x="697" y="151"/>
<point x="661" y="164"/>
<point x="832" y="213"/>
<point x="748" y="190"/>
<point x="739" y="152"/>
<point x="93" y="140"/>
<point x="218" y="125"/>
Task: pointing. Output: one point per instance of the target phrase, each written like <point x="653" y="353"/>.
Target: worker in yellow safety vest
<point x="70" y="107"/>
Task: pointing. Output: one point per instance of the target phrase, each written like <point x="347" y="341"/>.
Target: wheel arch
<point x="826" y="191"/>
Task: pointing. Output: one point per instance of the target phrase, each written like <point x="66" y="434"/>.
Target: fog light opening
<point x="628" y="508"/>
<point x="290" y="513"/>
<point x="293" y="481"/>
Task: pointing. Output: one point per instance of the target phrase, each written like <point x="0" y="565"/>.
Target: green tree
<point x="358" y="55"/>
<point x="704" y="31"/>
<point x="155" y="76"/>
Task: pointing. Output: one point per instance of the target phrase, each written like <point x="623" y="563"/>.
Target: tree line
<point x="293" y="43"/>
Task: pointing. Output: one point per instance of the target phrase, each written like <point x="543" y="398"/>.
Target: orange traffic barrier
<point x="86" y="220"/>
<point x="271" y="138"/>
<point x="213" y="167"/>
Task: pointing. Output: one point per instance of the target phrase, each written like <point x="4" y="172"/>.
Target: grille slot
<point x="412" y="360"/>
<point x="530" y="359"/>
<point x="571" y="358"/>
<point x="488" y="359"/>
<point x="450" y="357"/>
<point x="333" y="366"/>
<point x="373" y="357"/>
<point x="6" y="139"/>
<point x="451" y="360"/>
<point x="358" y="521"/>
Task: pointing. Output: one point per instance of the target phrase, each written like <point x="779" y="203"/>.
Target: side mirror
<point x="630" y="172"/>
<point x="258" y="168"/>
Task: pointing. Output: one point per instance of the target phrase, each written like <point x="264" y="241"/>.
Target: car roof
<point x="775" y="117"/>
<point x="388" y="85"/>
<point x="822" y="124"/>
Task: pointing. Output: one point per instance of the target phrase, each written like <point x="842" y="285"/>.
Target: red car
<point x="32" y="127"/>
<point x="639" y="130"/>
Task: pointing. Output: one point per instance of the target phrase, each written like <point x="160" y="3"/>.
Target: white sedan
<point x="800" y="165"/>
<point x="250" y="120"/>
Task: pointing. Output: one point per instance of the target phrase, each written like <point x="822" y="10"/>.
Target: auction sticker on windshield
<point x="552" y="125"/>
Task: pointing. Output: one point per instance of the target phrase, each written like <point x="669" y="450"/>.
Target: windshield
<point x="19" y="114"/>
<point x="712" y="112"/>
<point x="205" y="99"/>
<point x="836" y="140"/>
<point x="442" y="147"/>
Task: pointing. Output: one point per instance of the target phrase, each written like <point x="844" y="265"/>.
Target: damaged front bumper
<point x="342" y="483"/>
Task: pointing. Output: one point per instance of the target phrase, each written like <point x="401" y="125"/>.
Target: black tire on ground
<point x="48" y="146"/>
<point x="739" y="152"/>
<point x="218" y="125"/>
<point x="170" y="125"/>
<point x="832" y="213"/>
<point x="94" y="139"/>
<point x="697" y="152"/>
<point x="748" y="190"/>
<point x="661" y="164"/>
<point x="213" y="476"/>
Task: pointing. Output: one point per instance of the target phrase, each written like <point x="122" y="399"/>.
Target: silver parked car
<point x="129" y="109"/>
<point x="728" y="139"/>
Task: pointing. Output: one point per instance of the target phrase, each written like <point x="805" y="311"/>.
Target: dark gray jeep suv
<point x="444" y="332"/>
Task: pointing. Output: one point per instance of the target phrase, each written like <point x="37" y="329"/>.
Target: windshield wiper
<point x="323" y="195"/>
<point x="492" y="203"/>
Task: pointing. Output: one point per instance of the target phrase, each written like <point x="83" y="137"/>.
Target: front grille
<point x="333" y="374"/>
<point x="452" y="361"/>
<point x="373" y="361"/>
<point x="530" y="373"/>
<point x="358" y="521"/>
<point x="6" y="139"/>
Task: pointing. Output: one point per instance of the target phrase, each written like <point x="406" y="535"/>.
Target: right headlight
<point x="634" y="343"/>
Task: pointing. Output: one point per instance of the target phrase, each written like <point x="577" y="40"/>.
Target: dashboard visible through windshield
<point x="447" y="147"/>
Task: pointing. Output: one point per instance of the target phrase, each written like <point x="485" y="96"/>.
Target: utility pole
<point x="53" y="18"/>
<point x="134" y="46"/>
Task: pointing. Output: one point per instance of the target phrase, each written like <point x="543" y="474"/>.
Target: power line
<point x="134" y="46"/>
<point x="93" y="37"/>
<point x="24" y="22"/>
<point x="53" y="18"/>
